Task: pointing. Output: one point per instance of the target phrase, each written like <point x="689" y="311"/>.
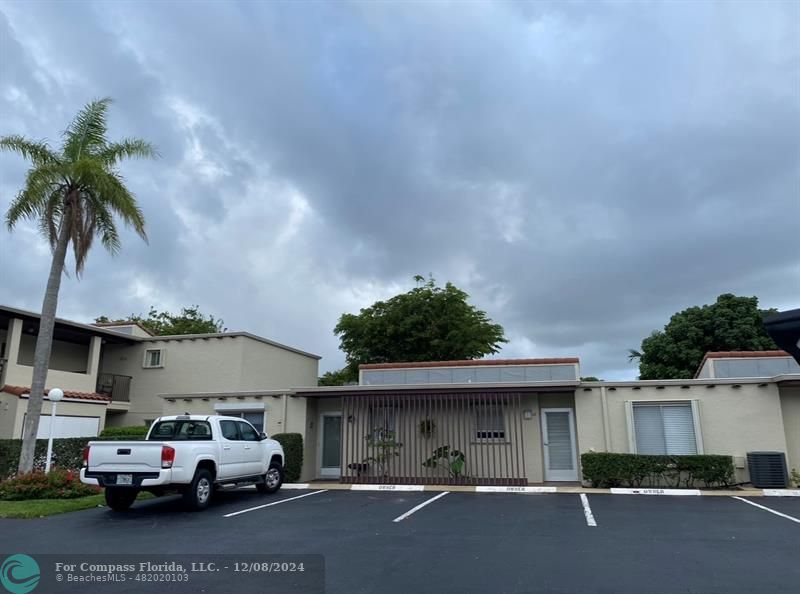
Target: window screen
<point x="664" y="429"/>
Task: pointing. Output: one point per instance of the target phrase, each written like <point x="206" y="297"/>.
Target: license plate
<point x="124" y="479"/>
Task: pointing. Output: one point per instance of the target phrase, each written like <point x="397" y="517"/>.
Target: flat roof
<point x="115" y="336"/>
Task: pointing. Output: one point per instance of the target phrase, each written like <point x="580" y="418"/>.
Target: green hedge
<point x="125" y="433"/>
<point x="67" y="454"/>
<point x="637" y="470"/>
<point x="293" y="448"/>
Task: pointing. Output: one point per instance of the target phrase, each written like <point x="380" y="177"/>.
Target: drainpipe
<point x="606" y="424"/>
<point x="285" y="408"/>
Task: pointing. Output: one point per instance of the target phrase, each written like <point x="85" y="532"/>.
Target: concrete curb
<point x="650" y="491"/>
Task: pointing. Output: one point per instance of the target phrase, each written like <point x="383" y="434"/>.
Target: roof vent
<point x="768" y="470"/>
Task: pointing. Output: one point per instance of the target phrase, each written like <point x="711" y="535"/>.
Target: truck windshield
<point x="180" y="430"/>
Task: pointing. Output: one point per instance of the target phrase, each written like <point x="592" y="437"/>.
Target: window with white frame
<point x="153" y="358"/>
<point x="489" y="422"/>
<point x="257" y="418"/>
<point x="665" y="428"/>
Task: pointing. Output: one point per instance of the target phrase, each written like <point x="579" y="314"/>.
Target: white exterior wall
<point x="13" y="409"/>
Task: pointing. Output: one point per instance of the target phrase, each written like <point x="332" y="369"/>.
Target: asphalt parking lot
<point x="400" y="542"/>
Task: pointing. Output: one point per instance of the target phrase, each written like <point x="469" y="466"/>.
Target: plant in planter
<point x="453" y="460"/>
<point x="427" y="427"/>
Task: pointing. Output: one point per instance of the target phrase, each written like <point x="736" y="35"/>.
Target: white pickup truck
<point x="189" y="454"/>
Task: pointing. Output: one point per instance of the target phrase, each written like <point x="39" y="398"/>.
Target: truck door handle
<point x="247" y="447"/>
<point x="226" y="447"/>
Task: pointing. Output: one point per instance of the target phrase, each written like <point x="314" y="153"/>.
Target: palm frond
<point x="39" y="185"/>
<point x="87" y="132"/>
<point x="104" y="223"/>
<point x="122" y="203"/>
<point x="128" y="148"/>
<point x="38" y="153"/>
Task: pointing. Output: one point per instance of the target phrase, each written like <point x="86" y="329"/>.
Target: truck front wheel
<point x="272" y="480"/>
<point x="198" y="495"/>
<point x="120" y="499"/>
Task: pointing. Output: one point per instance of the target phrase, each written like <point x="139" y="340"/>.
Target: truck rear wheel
<point x="120" y="499"/>
<point x="198" y="495"/>
<point x="273" y="479"/>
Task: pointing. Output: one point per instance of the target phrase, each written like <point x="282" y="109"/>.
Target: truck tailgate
<point x="125" y="456"/>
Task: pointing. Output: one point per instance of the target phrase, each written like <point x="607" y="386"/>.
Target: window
<point x="255" y="418"/>
<point x="229" y="430"/>
<point x="382" y="422"/>
<point x="664" y="428"/>
<point x="247" y="432"/>
<point x="489" y="422"/>
<point x="180" y="430"/>
<point x="153" y="358"/>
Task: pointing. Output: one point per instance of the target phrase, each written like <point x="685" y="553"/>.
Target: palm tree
<point x="74" y="196"/>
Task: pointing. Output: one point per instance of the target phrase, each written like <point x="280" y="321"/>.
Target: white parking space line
<point x="249" y="509"/>
<point x="419" y="507"/>
<point x="765" y="508"/>
<point x="587" y="510"/>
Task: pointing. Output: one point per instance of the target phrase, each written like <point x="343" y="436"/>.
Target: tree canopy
<point x="428" y="323"/>
<point x="163" y="323"/>
<point x="730" y="324"/>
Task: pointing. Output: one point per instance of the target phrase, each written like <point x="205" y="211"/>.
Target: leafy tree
<point x="163" y="323"/>
<point x="428" y="323"/>
<point x="340" y="377"/>
<point x="74" y="194"/>
<point x="730" y="324"/>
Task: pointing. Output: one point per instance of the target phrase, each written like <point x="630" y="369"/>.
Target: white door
<point x="231" y="460"/>
<point x="253" y="450"/>
<point x="558" y="439"/>
<point x="330" y="454"/>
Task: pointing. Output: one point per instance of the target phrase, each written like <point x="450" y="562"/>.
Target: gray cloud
<point x="583" y="170"/>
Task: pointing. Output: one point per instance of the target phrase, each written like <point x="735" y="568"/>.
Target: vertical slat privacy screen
<point x="469" y="439"/>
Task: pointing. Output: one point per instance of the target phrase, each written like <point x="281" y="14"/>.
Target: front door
<point x="558" y="439"/>
<point x="331" y="445"/>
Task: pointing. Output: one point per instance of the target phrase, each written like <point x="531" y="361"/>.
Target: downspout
<point x="285" y="409"/>
<point x="606" y="423"/>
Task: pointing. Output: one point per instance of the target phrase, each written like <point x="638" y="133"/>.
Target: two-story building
<point x="113" y="374"/>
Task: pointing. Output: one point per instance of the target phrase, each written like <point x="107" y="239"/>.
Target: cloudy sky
<point x="582" y="170"/>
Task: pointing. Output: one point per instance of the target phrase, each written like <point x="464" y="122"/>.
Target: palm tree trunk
<point x="44" y="344"/>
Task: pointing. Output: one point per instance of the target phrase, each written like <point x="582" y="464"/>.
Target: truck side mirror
<point x="262" y="436"/>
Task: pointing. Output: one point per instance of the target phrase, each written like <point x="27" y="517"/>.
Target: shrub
<point x="67" y="453"/>
<point x="796" y="478"/>
<point x="125" y="433"/>
<point x="293" y="449"/>
<point x="635" y="470"/>
<point x="57" y="484"/>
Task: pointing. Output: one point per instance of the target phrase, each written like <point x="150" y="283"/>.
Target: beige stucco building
<point x="510" y="422"/>
<point x="113" y="374"/>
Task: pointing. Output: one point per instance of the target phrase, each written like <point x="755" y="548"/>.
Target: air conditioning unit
<point x="768" y="470"/>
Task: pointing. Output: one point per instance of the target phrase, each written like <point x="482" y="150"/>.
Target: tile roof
<point x="20" y="390"/>
<point x="469" y="363"/>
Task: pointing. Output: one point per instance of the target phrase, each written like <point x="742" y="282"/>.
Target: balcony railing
<point x="116" y="386"/>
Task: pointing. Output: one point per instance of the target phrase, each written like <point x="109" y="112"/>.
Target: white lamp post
<point x="54" y="395"/>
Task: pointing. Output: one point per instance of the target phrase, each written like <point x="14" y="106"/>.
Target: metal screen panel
<point x="458" y="439"/>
